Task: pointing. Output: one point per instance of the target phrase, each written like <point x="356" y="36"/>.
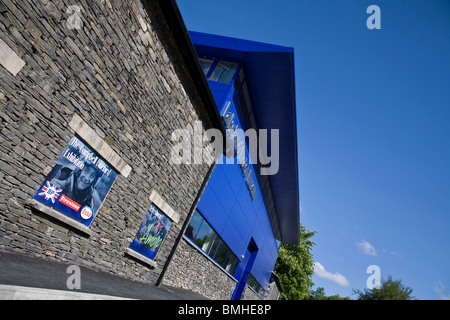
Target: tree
<point x="295" y="267"/>
<point x="319" y="294"/>
<point x="389" y="290"/>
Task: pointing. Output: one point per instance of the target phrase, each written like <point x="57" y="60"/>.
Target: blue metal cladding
<point x="237" y="216"/>
<point x="270" y="76"/>
<point x="227" y="205"/>
<point x="229" y="208"/>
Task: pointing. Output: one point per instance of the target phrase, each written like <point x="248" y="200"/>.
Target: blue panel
<point x="245" y="202"/>
<point x="222" y="189"/>
<point x="220" y="92"/>
<point x="216" y="41"/>
<point x="263" y="267"/>
<point x="257" y="233"/>
<point x="227" y="205"/>
<point x="235" y="241"/>
<point x="237" y="219"/>
<point x="258" y="204"/>
<point x="234" y="177"/>
<point x="210" y="207"/>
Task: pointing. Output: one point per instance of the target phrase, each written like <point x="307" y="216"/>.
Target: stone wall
<point x="190" y="269"/>
<point x="121" y="74"/>
<point x="273" y="292"/>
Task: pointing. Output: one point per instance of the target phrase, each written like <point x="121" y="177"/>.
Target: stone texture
<point x="190" y="269"/>
<point x="122" y="76"/>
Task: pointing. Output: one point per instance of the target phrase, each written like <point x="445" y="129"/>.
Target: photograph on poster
<point x="151" y="232"/>
<point x="78" y="183"/>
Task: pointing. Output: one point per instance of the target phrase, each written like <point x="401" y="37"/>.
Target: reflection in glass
<point x="205" y="64"/>
<point x="224" y="72"/>
<point x="194" y="225"/>
<point x="205" y="236"/>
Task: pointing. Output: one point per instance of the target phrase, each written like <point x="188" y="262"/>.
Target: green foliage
<point x="390" y="290"/>
<point x="319" y="294"/>
<point x="295" y="267"/>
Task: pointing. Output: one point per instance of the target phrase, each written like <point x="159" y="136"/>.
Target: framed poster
<point x="151" y="233"/>
<point x="78" y="183"/>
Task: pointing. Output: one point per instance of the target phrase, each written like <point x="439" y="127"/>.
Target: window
<point x="222" y="254"/>
<point x="252" y="283"/>
<point x="213" y="250"/>
<point x="232" y="263"/>
<point x="218" y="70"/>
<point x="224" y="72"/>
<point x="194" y="225"/>
<point x="205" y="64"/>
<point x="204" y="236"/>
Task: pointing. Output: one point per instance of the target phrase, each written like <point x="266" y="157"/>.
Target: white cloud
<point x="366" y="248"/>
<point x="320" y="271"/>
<point x="394" y="253"/>
<point x="439" y="288"/>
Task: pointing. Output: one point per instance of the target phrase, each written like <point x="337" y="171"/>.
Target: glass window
<point x="213" y="249"/>
<point x="194" y="225"/>
<point x="205" y="64"/>
<point x="231" y="263"/>
<point x="224" y="72"/>
<point x="252" y="283"/>
<point x="222" y="254"/>
<point x="234" y="267"/>
<point x="205" y="236"/>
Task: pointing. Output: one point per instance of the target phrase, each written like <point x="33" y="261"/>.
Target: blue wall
<point x="227" y="205"/>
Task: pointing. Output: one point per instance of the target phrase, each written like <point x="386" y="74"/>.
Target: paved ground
<point x="23" y="277"/>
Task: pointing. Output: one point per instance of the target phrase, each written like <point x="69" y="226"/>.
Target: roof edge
<point x="237" y="44"/>
<point x="184" y="45"/>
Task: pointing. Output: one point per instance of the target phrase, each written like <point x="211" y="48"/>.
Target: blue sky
<point x="374" y="130"/>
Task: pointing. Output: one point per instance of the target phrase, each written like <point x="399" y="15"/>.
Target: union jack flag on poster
<point x="50" y="191"/>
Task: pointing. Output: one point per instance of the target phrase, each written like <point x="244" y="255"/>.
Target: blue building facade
<point x="243" y="216"/>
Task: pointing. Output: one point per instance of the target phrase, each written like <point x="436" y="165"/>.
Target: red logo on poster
<point x="69" y="202"/>
<point x="86" y="213"/>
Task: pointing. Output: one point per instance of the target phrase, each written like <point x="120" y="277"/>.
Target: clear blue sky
<point x="374" y="130"/>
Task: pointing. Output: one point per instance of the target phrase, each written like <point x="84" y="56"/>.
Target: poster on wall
<point x="151" y="233"/>
<point x="78" y="183"/>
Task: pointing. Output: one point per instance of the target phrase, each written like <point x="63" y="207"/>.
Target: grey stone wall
<point x="273" y="292"/>
<point x="190" y="269"/>
<point x="123" y="77"/>
<point x="249" y="294"/>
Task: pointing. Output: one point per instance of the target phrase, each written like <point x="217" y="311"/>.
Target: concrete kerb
<point x="9" y="292"/>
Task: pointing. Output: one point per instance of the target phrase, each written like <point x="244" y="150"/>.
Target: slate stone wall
<point x="190" y="269"/>
<point x="121" y="74"/>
